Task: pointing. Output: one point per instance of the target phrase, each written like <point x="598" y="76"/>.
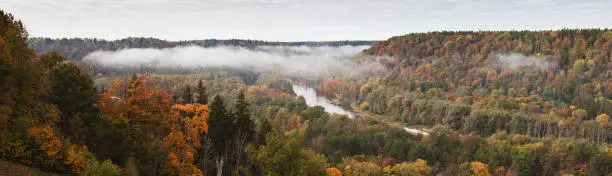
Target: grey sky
<point x="291" y="20"/>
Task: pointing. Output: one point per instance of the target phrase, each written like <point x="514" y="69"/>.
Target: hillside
<point x="537" y="83"/>
<point x="77" y="48"/>
<point x="554" y="65"/>
<point x="562" y="46"/>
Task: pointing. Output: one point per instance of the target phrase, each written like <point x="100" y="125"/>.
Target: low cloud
<point x="301" y="61"/>
<point x="517" y="60"/>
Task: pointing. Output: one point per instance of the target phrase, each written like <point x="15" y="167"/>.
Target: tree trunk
<point x="219" y="163"/>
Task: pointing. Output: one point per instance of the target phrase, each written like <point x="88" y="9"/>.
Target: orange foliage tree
<point x="332" y="171"/>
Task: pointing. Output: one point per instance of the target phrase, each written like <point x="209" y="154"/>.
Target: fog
<point x="294" y="61"/>
<point x="517" y="60"/>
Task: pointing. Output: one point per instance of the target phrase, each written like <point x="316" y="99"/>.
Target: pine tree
<point x="203" y="96"/>
<point x="219" y="124"/>
<point x="262" y="131"/>
<point x="243" y="118"/>
<point x="220" y="132"/>
<point x="187" y="95"/>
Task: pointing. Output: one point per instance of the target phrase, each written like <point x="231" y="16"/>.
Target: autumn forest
<point x="437" y="103"/>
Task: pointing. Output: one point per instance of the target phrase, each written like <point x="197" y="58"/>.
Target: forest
<point x="77" y="48"/>
<point x="493" y="103"/>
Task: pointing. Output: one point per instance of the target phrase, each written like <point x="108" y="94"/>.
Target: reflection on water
<point x="310" y="95"/>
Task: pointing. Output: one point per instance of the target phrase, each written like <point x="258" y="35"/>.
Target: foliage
<point x="417" y="168"/>
<point x="281" y="155"/>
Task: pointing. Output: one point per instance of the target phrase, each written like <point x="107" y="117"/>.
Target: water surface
<point x="310" y="95"/>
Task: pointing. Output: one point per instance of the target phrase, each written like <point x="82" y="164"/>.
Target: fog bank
<point x="517" y="60"/>
<point x="294" y="61"/>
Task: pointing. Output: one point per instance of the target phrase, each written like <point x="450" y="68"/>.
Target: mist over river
<point x="310" y="95"/>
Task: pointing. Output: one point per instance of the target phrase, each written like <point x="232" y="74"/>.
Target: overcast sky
<point x="293" y="20"/>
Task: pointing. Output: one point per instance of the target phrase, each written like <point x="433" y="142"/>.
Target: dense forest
<point x="77" y="48"/>
<point x="483" y="115"/>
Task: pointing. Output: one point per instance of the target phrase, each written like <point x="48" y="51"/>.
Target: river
<point x="311" y="98"/>
<point x="310" y="95"/>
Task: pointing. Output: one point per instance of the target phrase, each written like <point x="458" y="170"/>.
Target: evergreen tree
<point x="220" y="132"/>
<point x="242" y="116"/>
<point x="244" y="130"/>
<point x="262" y="131"/>
<point x="203" y="96"/>
<point x="187" y="95"/>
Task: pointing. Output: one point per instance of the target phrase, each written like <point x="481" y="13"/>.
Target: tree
<point x="332" y="171"/>
<point x="600" y="164"/>
<point x="580" y="67"/>
<point x="51" y="59"/>
<point x="602" y="119"/>
<point x="244" y="128"/>
<point x="203" y="96"/>
<point x="27" y="118"/>
<point x="220" y="132"/>
<point x="242" y="116"/>
<point x="262" y="131"/>
<point x="73" y="92"/>
<point x="314" y="113"/>
<point x="180" y="157"/>
<point x="417" y="168"/>
<point x="480" y="169"/>
<point x="524" y="160"/>
<point x="139" y="117"/>
<point x="281" y="155"/>
<point x="195" y="120"/>
<point x="356" y="168"/>
<point x="187" y="95"/>
<point x="106" y="168"/>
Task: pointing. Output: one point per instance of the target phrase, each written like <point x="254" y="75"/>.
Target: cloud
<point x="295" y="20"/>
<point x="308" y="62"/>
<point x="517" y="60"/>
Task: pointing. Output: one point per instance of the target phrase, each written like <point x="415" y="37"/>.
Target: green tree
<point x="51" y="59"/>
<point x="243" y="118"/>
<point x="244" y="130"/>
<point x="73" y="92"/>
<point x="281" y="155"/>
<point x="203" y="95"/>
<point x="524" y="161"/>
<point x="262" y="131"/>
<point x="600" y="164"/>
<point x="187" y="95"/>
<point x="220" y="132"/>
<point x="314" y="112"/>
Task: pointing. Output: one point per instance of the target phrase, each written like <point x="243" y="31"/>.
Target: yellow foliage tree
<point x="77" y="157"/>
<point x="501" y="170"/>
<point x="417" y="168"/>
<point x="356" y="168"/>
<point x="480" y="169"/>
<point x="364" y="106"/>
<point x="602" y="119"/>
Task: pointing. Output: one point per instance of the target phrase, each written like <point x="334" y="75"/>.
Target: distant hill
<point x="562" y="46"/>
<point x="565" y="67"/>
<point x="77" y="48"/>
